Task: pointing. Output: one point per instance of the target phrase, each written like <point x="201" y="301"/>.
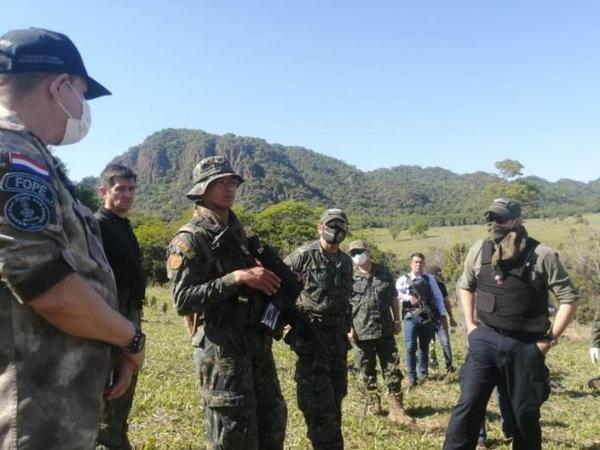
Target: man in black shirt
<point x="441" y="328"/>
<point x="117" y="189"/>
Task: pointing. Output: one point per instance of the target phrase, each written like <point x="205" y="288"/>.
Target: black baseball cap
<point x="39" y="50"/>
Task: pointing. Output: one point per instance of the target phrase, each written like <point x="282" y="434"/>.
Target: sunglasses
<point x="356" y="252"/>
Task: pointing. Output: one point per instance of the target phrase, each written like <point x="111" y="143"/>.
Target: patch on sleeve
<point x="174" y="262"/>
<point x="183" y="246"/>
<point x="23" y="163"/>
<point x="27" y="212"/>
<point x="29" y="184"/>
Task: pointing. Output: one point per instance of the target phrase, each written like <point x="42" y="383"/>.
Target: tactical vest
<point x="427" y="307"/>
<point x="507" y="300"/>
<point x="248" y="309"/>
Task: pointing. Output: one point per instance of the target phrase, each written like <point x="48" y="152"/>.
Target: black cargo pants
<point x="518" y="367"/>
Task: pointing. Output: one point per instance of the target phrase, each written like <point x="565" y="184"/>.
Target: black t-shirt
<point x="123" y="254"/>
<point x="442" y="288"/>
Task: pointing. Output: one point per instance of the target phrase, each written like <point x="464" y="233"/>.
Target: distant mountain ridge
<point x="273" y="172"/>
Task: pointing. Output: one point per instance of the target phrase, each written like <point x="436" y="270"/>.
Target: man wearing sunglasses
<point x="506" y="280"/>
<point x="321" y="365"/>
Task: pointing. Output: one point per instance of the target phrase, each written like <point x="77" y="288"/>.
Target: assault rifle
<point x="280" y="307"/>
<point x="425" y="306"/>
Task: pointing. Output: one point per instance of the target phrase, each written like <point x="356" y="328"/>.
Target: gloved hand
<point x="594" y="354"/>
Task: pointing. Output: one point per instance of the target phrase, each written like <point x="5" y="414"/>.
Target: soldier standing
<point x="117" y="189"/>
<point x="58" y="296"/>
<point x="321" y="365"/>
<point x="375" y="321"/>
<point x="222" y="293"/>
<point x="506" y="279"/>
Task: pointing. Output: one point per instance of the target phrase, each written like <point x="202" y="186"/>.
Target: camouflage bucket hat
<point x="357" y="245"/>
<point x="503" y="208"/>
<point x="208" y="170"/>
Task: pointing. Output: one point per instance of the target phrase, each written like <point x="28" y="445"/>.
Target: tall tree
<point x="509" y="168"/>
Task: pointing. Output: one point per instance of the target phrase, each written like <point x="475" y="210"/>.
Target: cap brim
<point x="200" y="187"/>
<point x="95" y="89"/>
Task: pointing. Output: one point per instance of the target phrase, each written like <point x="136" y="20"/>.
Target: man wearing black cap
<point x="321" y="365"/>
<point x="506" y="280"/>
<point x="216" y="286"/>
<point x="57" y="313"/>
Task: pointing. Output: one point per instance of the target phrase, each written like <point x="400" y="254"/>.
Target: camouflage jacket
<point x="50" y="383"/>
<point x="327" y="280"/>
<point x="202" y="277"/>
<point x="372" y="296"/>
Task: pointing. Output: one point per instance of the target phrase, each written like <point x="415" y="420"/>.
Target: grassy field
<point x="167" y="413"/>
<point x="553" y="232"/>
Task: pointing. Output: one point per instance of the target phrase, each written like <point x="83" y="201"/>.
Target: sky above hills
<point x="458" y="84"/>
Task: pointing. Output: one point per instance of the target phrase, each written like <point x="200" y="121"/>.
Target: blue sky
<point x="455" y="84"/>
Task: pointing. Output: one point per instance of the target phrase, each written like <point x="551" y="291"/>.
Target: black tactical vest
<point x="506" y="299"/>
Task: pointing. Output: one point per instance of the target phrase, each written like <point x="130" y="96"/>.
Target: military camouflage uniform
<point x="50" y="383"/>
<point x="321" y="366"/>
<point x="372" y="296"/>
<point x="242" y="399"/>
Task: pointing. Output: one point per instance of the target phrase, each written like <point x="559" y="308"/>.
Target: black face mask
<point x="333" y="235"/>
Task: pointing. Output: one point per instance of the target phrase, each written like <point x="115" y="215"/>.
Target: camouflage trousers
<point x="242" y="399"/>
<point x="321" y="385"/>
<point x="366" y="354"/>
<point x="113" y="426"/>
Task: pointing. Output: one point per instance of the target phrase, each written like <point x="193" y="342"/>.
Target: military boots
<point x="397" y="413"/>
<point x="374" y="404"/>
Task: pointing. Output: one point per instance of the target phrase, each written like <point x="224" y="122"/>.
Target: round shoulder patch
<point x="27" y="212"/>
<point x="174" y="262"/>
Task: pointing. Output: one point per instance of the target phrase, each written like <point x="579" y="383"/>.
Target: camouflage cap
<point x="208" y="170"/>
<point x="357" y="245"/>
<point x="503" y="208"/>
<point x="334" y="213"/>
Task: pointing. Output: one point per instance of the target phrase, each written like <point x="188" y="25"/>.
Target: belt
<point x="519" y="335"/>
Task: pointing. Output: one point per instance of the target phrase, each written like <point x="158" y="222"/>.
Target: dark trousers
<point x="114" y="424"/>
<point x="518" y="368"/>
<point x="384" y="348"/>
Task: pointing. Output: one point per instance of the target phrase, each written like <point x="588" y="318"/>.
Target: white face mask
<point x="76" y="129"/>
<point x="360" y="258"/>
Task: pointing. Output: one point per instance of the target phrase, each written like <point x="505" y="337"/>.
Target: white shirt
<point x="404" y="282"/>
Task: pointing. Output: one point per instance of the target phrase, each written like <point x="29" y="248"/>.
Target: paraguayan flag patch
<point x="23" y="163"/>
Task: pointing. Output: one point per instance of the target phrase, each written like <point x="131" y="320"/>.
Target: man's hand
<point x="414" y="300"/>
<point x="125" y="371"/>
<point x="136" y="359"/>
<point x="352" y="337"/>
<point x="470" y="328"/>
<point x="594" y="354"/>
<point x="544" y="346"/>
<point x="258" y="278"/>
<point x="397" y="327"/>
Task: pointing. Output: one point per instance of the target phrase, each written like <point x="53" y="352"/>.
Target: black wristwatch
<point x="137" y="342"/>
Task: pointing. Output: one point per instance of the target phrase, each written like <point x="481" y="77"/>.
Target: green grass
<point x="167" y="412"/>
<point x="553" y="232"/>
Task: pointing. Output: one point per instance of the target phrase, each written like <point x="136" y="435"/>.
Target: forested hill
<point x="274" y="172"/>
